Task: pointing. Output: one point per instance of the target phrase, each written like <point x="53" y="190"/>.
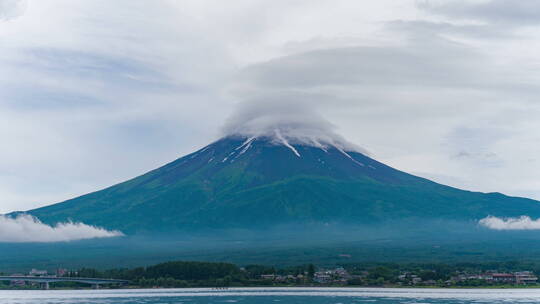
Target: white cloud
<point x="289" y="117"/>
<point x="26" y="228"/>
<point x="506" y="12"/>
<point x="519" y="223"/>
<point x="11" y="9"/>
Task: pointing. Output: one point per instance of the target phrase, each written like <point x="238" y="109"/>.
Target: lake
<point x="272" y="295"/>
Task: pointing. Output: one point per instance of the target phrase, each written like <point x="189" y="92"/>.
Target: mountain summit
<point x="250" y="182"/>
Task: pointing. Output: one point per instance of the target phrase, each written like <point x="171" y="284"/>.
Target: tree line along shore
<point x="181" y="274"/>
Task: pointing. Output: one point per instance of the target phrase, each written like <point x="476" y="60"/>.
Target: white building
<point x="38" y="273"/>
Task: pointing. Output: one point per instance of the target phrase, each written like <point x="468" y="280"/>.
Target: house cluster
<point x="336" y="276"/>
<point x="329" y="276"/>
<point x="282" y="278"/>
<point x="340" y="276"/>
<point x="414" y="279"/>
<point x="521" y="277"/>
<point x="492" y="277"/>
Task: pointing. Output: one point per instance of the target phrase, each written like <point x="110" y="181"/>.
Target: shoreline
<point x="501" y="287"/>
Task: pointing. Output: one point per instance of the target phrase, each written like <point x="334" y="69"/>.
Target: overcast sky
<point x="96" y="92"/>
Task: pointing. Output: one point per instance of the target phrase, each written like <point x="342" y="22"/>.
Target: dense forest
<point x="196" y="274"/>
<point x="214" y="274"/>
<point x="208" y="274"/>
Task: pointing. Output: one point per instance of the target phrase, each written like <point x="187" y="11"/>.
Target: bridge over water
<point x="45" y="280"/>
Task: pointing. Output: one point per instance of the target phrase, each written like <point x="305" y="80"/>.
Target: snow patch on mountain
<point x="350" y="157"/>
<point x="246" y="145"/>
<point x="285" y="142"/>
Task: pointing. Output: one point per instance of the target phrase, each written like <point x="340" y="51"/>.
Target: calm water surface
<point x="274" y="296"/>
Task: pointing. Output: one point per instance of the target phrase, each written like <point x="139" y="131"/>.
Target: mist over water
<point x="274" y="295"/>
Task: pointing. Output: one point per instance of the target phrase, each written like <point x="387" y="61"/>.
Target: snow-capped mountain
<point x="259" y="181"/>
